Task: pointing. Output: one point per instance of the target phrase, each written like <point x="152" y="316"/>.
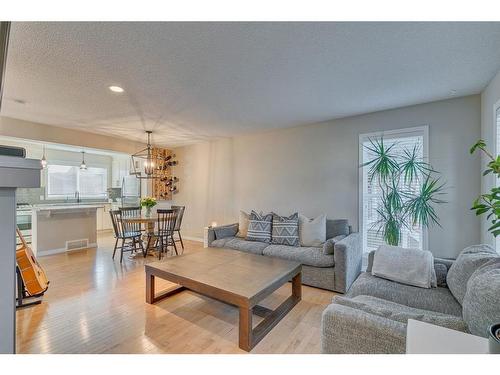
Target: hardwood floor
<point x="96" y="305"/>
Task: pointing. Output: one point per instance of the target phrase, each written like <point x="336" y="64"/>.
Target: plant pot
<point x="494" y="339"/>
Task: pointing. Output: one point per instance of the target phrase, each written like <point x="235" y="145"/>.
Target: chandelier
<point x="152" y="163"/>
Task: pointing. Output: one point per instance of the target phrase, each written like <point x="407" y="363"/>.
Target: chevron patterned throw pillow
<point x="259" y="227"/>
<point x="286" y="230"/>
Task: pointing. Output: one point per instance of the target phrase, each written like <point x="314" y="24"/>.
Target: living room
<point x="250" y="187"/>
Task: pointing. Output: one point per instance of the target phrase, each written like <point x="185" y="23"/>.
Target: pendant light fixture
<point x="83" y="166"/>
<point x="148" y="164"/>
<point x="44" y="159"/>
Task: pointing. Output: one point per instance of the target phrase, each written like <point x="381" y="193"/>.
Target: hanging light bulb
<point x="83" y="166"/>
<point x="44" y="159"/>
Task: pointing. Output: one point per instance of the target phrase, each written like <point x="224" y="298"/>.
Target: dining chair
<point x="127" y="212"/>
<point x="165" y="231"/>
<point x="178" y="222"/>
<point x="127" y="233"/>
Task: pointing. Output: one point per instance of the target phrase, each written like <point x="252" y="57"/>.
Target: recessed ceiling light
<point x="116" y="89"/>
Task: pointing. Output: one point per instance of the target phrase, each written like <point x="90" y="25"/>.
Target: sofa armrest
<point x="347" y="254"/>
<point x="222" y="231"/>
<point x="446" y="262"/>
<point x="347" y="330"/>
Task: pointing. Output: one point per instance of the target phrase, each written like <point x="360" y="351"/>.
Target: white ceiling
<point x="197" y="81"/>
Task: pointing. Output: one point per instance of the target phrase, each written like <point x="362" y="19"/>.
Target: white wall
<point x="314" y="169"/>
<point x="490" y="100"/>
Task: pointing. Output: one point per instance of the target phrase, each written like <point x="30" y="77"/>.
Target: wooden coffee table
<point x="233" y="277"/>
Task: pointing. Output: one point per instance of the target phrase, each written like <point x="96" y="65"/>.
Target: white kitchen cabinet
<point x="106" y="218"/>
<point x="99" y="214"/>
<point x="103" y="218"/>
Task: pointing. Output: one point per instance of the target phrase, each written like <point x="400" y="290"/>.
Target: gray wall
<point x="314" y="169"/>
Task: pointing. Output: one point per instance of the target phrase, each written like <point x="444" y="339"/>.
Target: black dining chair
<point x="131" y="239"/>
<point x="178" y="222"/>
<point x="132" y="212"/>
<point x="165" y="231"/>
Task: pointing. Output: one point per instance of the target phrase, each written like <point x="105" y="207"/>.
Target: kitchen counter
<point x="59" y="228"/>
<point x="76" y="206"/>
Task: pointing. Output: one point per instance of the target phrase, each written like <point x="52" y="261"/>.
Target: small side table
<point x="425" y="338"/>
<point x="205" y="237"/>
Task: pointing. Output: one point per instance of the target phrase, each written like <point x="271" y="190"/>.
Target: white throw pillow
<point x="312" y="232"/>
<point x="243" y="222"/>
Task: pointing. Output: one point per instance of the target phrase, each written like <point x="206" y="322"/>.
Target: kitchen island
<point x="58" y="228"/>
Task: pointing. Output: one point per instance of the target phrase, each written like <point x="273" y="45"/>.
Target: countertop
<point x="76" y="206"/>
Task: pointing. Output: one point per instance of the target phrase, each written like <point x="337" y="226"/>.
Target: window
<point x="65" y="180"/>
<point x="370" y="193"/>
<point x="62" y="180"/>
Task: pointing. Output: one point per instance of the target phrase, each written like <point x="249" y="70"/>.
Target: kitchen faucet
<point x="77" y="196"/>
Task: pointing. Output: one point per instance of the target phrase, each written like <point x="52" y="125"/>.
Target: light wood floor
<point x="96" y="305"/>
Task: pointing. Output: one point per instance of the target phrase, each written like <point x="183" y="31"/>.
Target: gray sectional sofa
<point x="334" y="266"/>
<point x="372" y="316"/>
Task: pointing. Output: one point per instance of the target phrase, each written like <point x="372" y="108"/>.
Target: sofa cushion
<point x="469" y="260"/>
<point x="401" y="313"/>
<point x="481" y="304"/>
<point x="243" y="221"/>
<point x="285" y="230"/>
<point x="329" y="245"/>
<point x="312" y="232"/>
<point x="240" y="244"/>
<point x="441" y="272"/>
<point x="336" y="227"/>
<point x="309" y="256"/>
<point x="259" y="228"/>
<point x="225" y="231"/>
<point x="435" y="299"/>
<point x="221" y="242"/>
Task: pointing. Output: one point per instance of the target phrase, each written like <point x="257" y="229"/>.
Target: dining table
<point x="149" y="224"/>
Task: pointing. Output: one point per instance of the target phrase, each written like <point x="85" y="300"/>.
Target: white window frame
<point x="495" y="182"/>
<point x="74" y="164"/>
<point x="417" y="130"/>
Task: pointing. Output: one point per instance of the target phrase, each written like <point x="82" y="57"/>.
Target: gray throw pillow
<point x="285" y="230"/>
<point x="259" y="227"/>
<point x="441" y="272"/>
<point x="481" y="304"/>
<point x="468" y="261"/>
<point x="225" y="231"/>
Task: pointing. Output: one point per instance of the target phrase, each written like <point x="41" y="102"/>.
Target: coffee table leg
<point x="150" y="288"/>
<point x="152" y="297"/>
<point x="249" y="336"/>
<point x="297" y="286"/>
<point x="246" y="332"/>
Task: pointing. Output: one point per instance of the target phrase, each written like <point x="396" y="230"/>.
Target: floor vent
<point x="77" y="244"/>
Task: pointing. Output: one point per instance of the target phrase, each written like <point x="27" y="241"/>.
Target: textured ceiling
<point x="195" y="81"/>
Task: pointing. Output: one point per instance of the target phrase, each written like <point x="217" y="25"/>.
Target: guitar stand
<point x="23" y="298"/>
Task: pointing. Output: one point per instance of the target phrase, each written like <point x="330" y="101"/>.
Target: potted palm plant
<point x="408" y="185"/>
<point x="489" y="203"/>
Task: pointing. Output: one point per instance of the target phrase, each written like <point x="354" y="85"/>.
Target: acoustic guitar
<point x="33" y="275"/>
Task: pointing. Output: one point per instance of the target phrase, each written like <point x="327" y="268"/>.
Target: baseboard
<point x="63" y="250"/>
<point x="197" y="239"/>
